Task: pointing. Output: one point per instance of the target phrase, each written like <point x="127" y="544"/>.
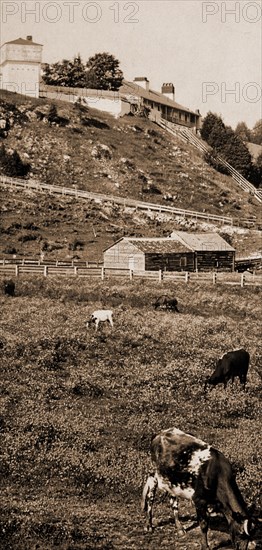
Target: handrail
<point x="188" y="135"/>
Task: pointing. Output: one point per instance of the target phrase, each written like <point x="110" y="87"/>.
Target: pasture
<point x="79" y="407"/>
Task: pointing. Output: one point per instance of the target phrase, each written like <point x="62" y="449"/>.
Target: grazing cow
<point x="234" y="363"/>
<point x="164" y="302"/>
<point x="9" y="288"/>
<point x="100" y="315"/>
<point x="190" y="468"/>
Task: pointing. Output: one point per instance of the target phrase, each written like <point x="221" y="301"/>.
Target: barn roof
<point x="202" y="241"/>
<point x="163" y="246"/>
<point x="155" y="245"/>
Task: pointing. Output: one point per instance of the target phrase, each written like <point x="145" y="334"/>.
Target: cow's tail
<point x="149" y="488"/>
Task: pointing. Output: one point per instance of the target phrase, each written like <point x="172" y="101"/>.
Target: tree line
<point x="100" y="72"/>
<point x="231" y="145"/>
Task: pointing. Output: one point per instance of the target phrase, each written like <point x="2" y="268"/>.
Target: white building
<point x="20" y="64"/>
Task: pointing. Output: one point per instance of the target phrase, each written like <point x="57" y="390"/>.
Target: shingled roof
<point x="202" y="241"/>
<point x="155" y="245"/>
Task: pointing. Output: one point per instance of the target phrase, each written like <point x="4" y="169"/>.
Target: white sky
<point x="206" y="48"/>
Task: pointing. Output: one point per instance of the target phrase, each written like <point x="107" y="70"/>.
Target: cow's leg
<point x="178" y="524"/>
<point x="148" y="497"/>
<point x="111" y="321"/>
<point x="96" y="324"/>
<point x="243" y="380"/>
<point x="202" y="518"/>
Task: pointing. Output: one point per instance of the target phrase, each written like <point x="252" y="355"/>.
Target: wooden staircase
<point x="188" y="136"/>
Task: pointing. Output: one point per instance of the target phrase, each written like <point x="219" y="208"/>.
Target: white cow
<point x="100" y="315"/>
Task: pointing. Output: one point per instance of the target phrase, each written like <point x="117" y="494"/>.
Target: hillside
<point x="128" y="157"/>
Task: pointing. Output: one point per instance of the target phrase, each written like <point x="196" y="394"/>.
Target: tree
<point x="66" y="73"/>
<point x="218" y="135"/>
<point x="208" y="124"/>
<point x="227" y="144"/>
<point x="103" y="72"/>
<point x="257" y="172"/>
<point x="242" y="131"/>
<point x="256" y="133"/>
<point x="237" y="154"/>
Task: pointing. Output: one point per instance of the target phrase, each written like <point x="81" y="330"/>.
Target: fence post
<point x="16" y="270"/>
<point x="160" y="275"/>
<point x="102" y="273"/>
<point x="186" y="277"/>
<point x="242" y="281"/>
<point x="45" y="270"/>
<point x="130" y="274"/>
<point x="214" y="278"/>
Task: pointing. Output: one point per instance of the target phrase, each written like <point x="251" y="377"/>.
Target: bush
<point x="12" y="165"/>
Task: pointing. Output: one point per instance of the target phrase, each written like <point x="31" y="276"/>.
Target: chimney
<point x="29" y="38"/>
<point x="142" y="81"/>
<point x="168" y="90"/>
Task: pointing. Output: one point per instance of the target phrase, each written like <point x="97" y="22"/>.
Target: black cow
<point x="190" y="468"/>
<point x="164" y="302"/>
<point x="9" y="288"/>
<point x="233" y="364"/>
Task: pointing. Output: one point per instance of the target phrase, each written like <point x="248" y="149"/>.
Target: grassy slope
<point x="78" y="409"/>
<point x="139" y="150"/>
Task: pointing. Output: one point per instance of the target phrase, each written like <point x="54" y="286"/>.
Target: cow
<point x="100" y="315"/>
<point x="164" y="302"/>
<point x="233" y="364"/>
<point x="9" y="288"/>
<point x="190" y="468"/>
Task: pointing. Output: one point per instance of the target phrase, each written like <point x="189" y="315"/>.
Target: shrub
<point x="12" y="165"/>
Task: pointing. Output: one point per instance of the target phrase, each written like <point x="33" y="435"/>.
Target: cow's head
<point x="90" y="321"/>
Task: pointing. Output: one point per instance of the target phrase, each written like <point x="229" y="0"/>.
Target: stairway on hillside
<point x="188" y="136"/>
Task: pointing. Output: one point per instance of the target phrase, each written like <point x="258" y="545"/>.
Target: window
<point x="183" y="261"/>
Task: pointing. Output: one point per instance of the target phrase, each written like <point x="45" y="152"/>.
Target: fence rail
<point x="102" y="273"/>
<point x="126" y="202"/>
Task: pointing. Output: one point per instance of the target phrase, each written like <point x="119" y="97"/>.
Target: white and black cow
<point x="233" y="364"/>
<point x="100" y="315"/>
<point x="164" y="302"/>
<point x="190" y="468"/>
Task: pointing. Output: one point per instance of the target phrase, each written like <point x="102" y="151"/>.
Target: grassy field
<point x="78" y="408"/>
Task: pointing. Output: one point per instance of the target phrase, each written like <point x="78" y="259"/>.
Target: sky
<point x="210" y="50"/>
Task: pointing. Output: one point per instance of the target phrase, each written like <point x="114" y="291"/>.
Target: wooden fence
<point x="229" y="278"/>
<point x="30" y="185"/>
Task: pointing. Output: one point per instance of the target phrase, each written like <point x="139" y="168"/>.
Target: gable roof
<point x="154" y="245"/>
<point x="132" y="88"/>
<point x="202" y="241"/>
<point x="23" y="42"/>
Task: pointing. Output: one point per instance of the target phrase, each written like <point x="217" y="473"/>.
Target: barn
<point x="148" y="254"/>
<point x="174" y="253"/>
<point x="211" y="251"/>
